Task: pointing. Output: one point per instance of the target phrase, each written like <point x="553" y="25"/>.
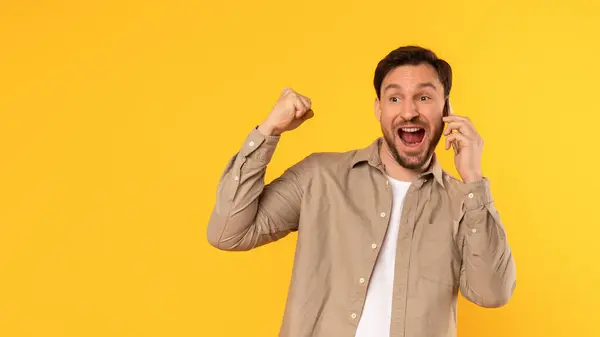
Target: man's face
<point x="410" y="112"/>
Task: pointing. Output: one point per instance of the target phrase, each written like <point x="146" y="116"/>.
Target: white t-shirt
<point x="376" y="317"/>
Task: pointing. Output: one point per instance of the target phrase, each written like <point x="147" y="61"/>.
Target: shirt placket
<point x="403" y="257"/>
<point x="372" y="249"/>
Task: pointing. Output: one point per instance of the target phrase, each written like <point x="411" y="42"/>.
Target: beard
<point x="414" y="160"/>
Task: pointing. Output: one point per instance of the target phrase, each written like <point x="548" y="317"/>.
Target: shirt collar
<point x="370" y="154"/>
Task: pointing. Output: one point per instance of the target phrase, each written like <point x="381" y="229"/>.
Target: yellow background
<point x="117" y="118"/>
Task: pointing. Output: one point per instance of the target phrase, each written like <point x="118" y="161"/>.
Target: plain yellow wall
<point x="117" y="118"/>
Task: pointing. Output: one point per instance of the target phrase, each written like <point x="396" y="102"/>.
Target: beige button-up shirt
<point x="450" y="239"/>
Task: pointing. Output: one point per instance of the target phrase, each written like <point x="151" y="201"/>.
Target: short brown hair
<point x="413" y="55"/>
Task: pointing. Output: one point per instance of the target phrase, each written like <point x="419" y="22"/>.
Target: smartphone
<point x="446" y="111"/>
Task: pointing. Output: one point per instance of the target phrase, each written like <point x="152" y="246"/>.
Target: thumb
<point x="304" y="115"/>
<point x="308" y="115"/>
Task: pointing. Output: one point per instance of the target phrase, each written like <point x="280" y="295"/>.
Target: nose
<point x="410" y="110"/>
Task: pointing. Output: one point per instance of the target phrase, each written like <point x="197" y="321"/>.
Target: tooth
<point x="410" y="129"/>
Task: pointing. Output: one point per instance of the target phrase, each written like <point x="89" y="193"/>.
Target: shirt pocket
<point x="436" y="254"/>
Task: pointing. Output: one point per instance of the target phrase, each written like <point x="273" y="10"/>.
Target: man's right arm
<point x="248" y="214"/>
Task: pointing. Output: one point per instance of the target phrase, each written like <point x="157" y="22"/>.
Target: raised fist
<point x="291" y="110"/>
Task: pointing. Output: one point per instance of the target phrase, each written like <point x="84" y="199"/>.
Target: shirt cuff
<point x="477" y="194"/>
<point x="258" y="146"/>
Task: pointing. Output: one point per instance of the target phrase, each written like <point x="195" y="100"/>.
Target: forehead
<point x="410" y="76"/>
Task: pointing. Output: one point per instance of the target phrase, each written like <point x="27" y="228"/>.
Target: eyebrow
<point x="421" y="85"/>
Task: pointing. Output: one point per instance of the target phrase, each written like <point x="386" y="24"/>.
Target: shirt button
<point x="387" y="182"/>
<point x="251" y="143"/>
<point x="236" y="178"/>
<point x="353" y="316"/>
<point x="361" y="280"/>
<point x="374" y="246"/>
<point x="473" y="230"/>
<point x="382" y="214"/>
<point x="471" y="195"/>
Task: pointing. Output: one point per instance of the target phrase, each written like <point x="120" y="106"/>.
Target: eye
<point x="424" y="98"/>
<point x="394" y="99"/>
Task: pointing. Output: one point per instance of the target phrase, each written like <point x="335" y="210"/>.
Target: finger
<point x="300" y="107"/>
<point x="468" y="125"/>
<point x="459" y="126"/>
<point x="457" y="140"/>
<point x="307" y="102"/>
<point x="286" y="91"/>
<point x="454" y="147"/>
<point x="454" y="118"/>
<point x="308" y="115"/>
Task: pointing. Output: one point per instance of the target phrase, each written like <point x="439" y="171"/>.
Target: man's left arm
<point x="488" y="273"/>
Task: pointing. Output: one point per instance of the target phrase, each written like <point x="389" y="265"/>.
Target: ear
<point x="377" y="109"/>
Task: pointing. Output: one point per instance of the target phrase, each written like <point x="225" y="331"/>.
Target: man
<point x="386" y="238"/>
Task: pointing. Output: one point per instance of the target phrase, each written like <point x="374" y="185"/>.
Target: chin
<point x="413" y="156"/>
<point x="413" y="162"/>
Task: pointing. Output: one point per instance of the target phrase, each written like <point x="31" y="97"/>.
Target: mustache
<point x="414" y="122"/>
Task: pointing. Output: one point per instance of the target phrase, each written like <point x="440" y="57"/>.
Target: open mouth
<point x="411" y="137"/>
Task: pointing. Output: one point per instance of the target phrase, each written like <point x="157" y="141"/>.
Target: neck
<point x="397" y="171"/>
